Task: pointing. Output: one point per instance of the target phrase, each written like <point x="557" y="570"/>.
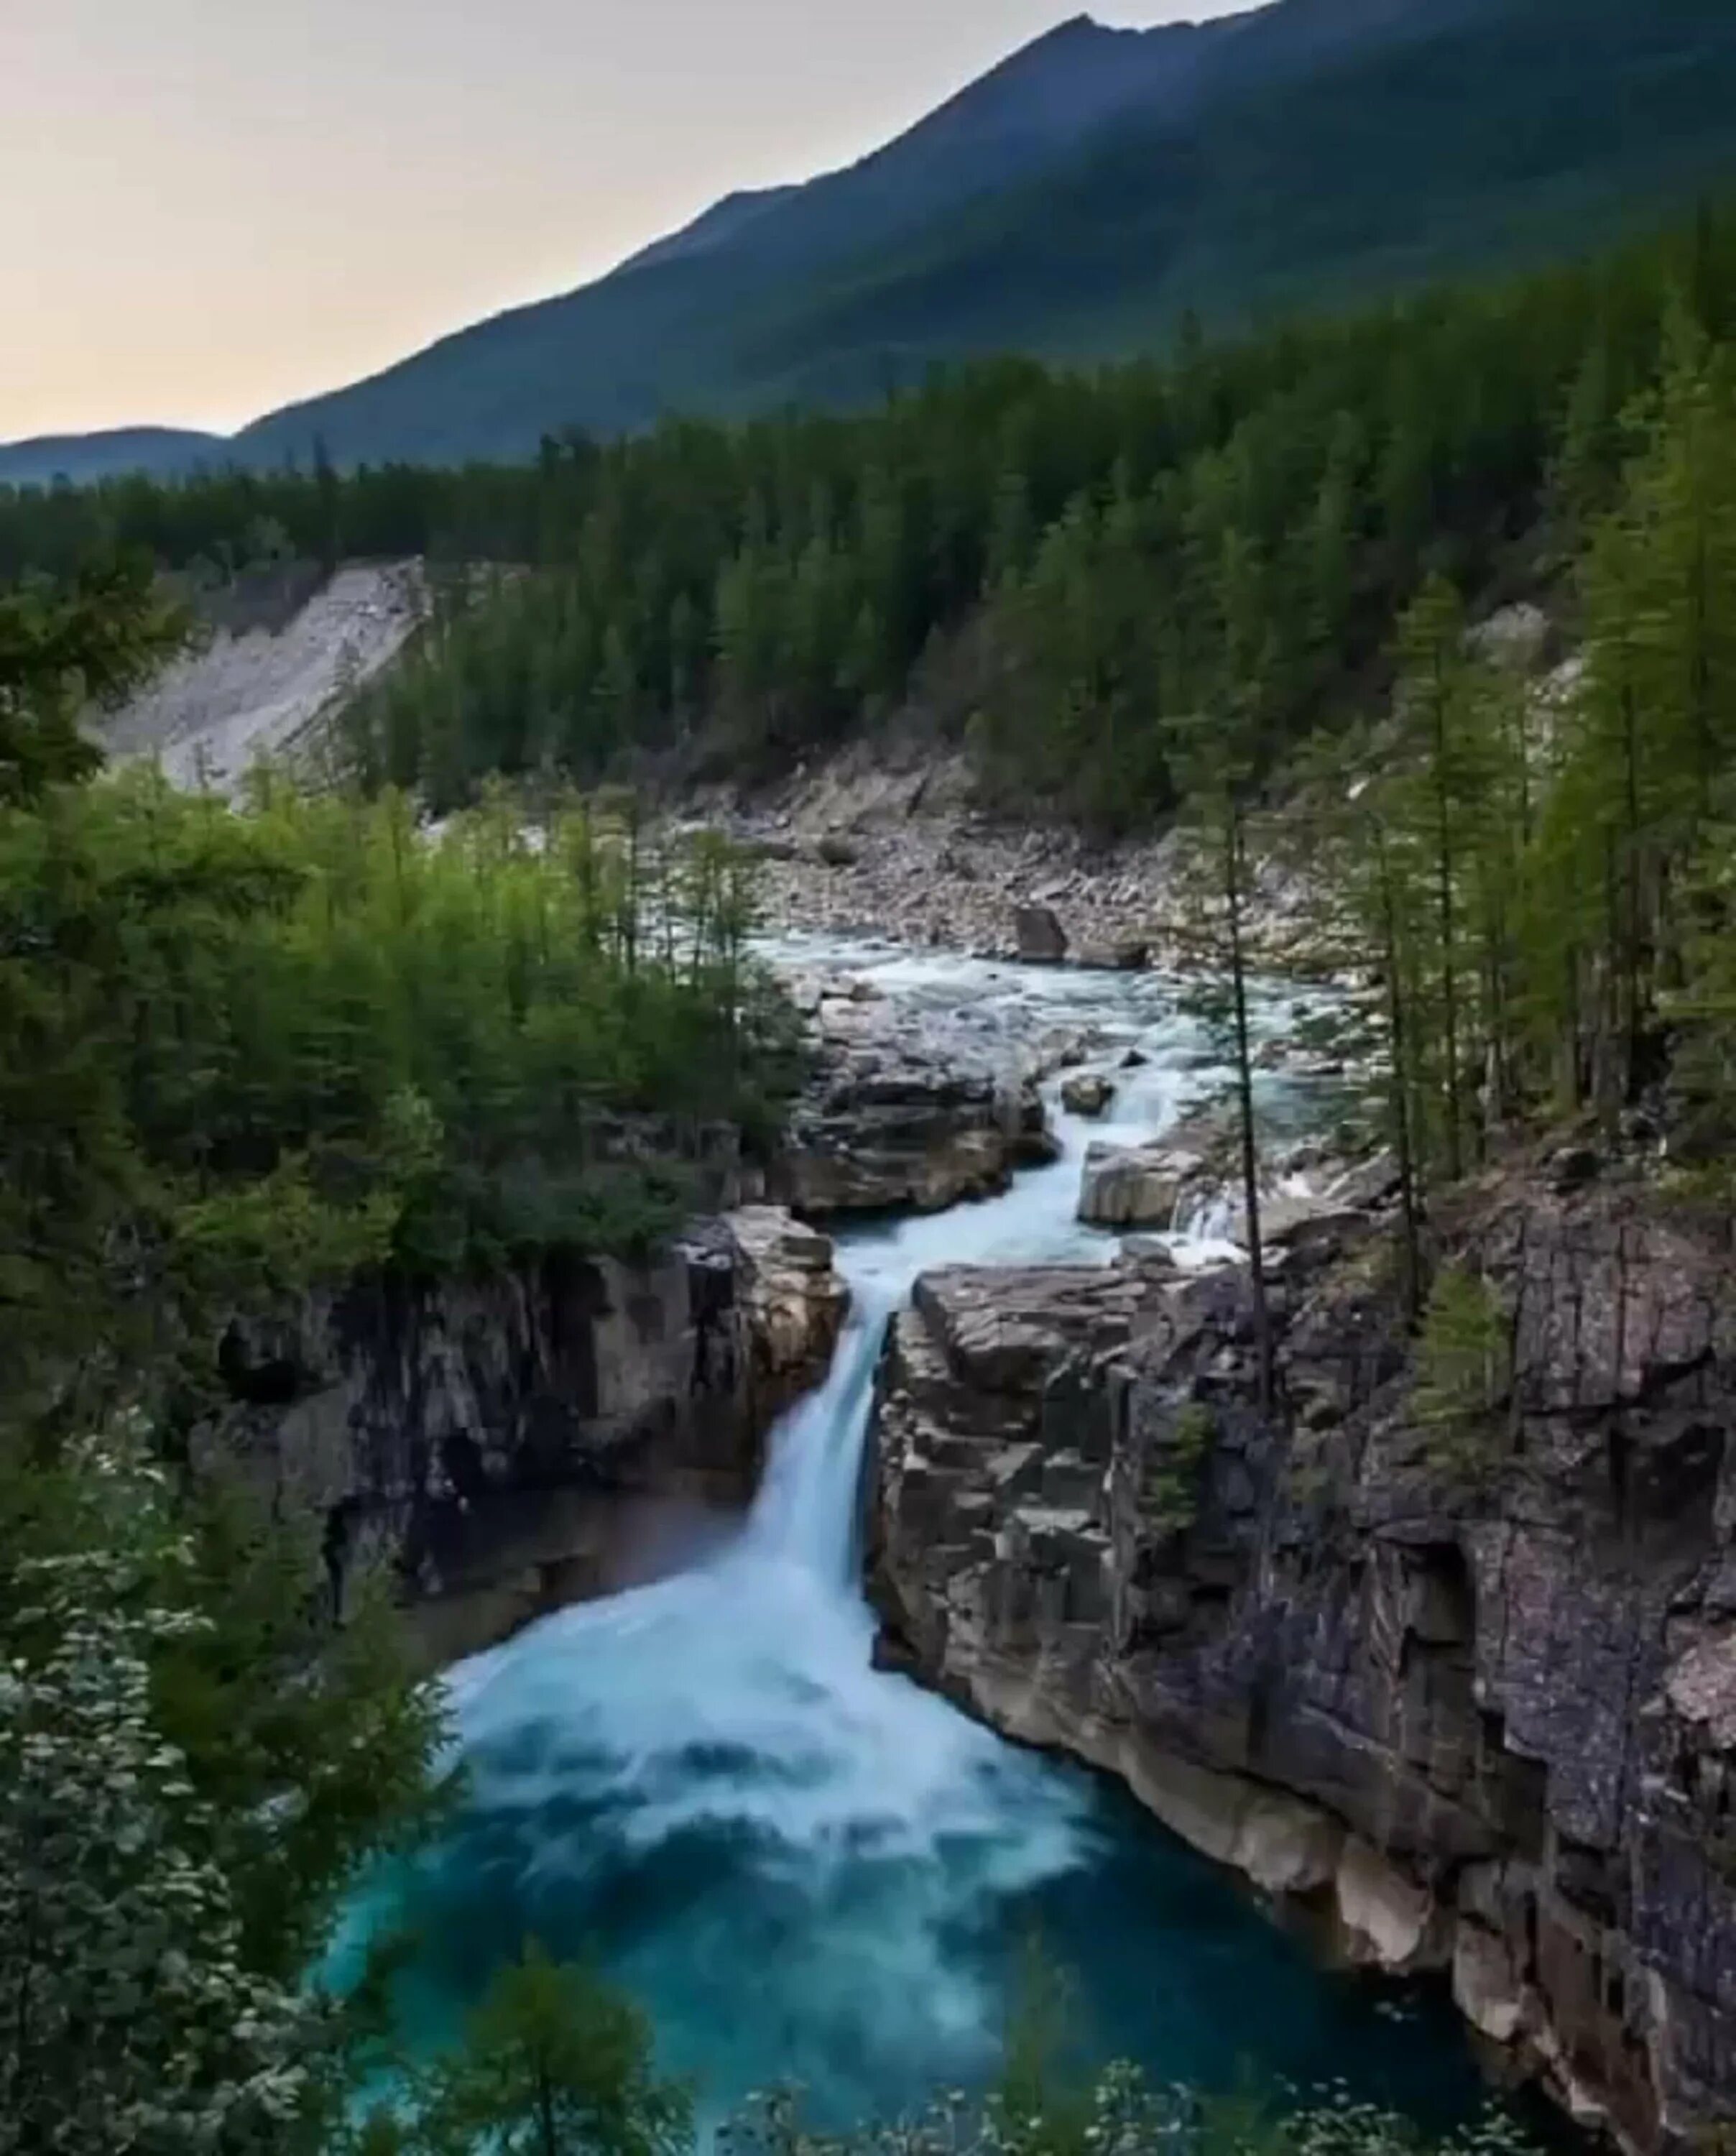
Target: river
<point x="812" y="1870"/>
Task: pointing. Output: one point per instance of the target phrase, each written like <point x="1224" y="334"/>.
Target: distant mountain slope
<point x="83" y="457"/>
<point x="1078" y="198"/>
<point x="675" y="329"/>
<point x="1081" y="196"/>
<point x="1503" y="131"/>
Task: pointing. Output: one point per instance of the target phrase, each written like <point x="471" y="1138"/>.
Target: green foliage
<point x="1040" y="2094"/>
<point x="242" y="1053"/>
<point x="1123" y="2116"/>
<point x="312" y="1742"/>
<point x="554" y="2062"/>
<point x="1082" y="565"/>
<point x="1463" y="1370"/>
<point x="1171" y="1499"/>
<point x="61" y="650"/>
<point x="1537" y="877"/>
<point x="137" y="2014"/>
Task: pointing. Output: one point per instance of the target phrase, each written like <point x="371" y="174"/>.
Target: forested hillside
<point x="1059" y="569"/>
<point x="1084" y="197"/>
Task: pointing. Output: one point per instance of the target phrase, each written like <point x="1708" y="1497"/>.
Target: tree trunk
<point x="1444" y="867"/>
<point x="1412" y="1240"/>
<point x="548" y="2139"/>
<point x="1233" y="867"/>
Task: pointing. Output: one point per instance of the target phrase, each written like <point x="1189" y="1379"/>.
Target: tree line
<point x="1529" y="869"/>
<point x="1038" y="562"/>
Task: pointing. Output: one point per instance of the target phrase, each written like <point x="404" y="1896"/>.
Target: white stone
<point x="1386" y="1918"/>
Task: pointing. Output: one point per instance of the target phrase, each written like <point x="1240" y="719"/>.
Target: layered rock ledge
<point x="554" y="1432"/>
<point x="1475" y="1711"/>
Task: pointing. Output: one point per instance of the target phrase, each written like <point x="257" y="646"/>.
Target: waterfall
<point x="807" y="1869"/>
<point x="806" y="1512"/>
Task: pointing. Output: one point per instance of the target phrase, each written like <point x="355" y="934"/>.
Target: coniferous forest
<point x="242" y="1052"/>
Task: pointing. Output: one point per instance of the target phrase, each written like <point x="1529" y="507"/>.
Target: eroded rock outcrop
<point x="902" y="1114"/>
<point x="548" y="1433"/>
<point x="1477" y="1708"/>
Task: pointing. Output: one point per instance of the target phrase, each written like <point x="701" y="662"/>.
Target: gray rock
<point x="1041" y="939"/>
<point x="499" y="1442"/>
<point x="1496" y="1713"/>
<point x="1087" y="1094"/>
<point x="898" y="1118"/>
<point x="1135" y="1186"/>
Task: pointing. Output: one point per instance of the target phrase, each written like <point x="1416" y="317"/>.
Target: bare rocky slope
<point x="263" y="692"/>
<point x="1475" y="1712"/>
<point x="877" y="843"/>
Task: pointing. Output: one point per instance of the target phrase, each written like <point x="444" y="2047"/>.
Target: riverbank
<point x="871" y="845"/>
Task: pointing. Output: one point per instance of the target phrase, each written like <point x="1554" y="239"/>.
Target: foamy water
<point x="810" y="1870"/>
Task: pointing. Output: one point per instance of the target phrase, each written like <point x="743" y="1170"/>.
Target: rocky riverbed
<point x="861" y="847"/>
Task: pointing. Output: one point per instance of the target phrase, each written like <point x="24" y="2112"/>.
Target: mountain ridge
<point x="158" y="451"/>
<point x="1075" y="201"/>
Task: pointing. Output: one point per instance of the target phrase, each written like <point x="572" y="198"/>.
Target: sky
<point x="215" y="206"/>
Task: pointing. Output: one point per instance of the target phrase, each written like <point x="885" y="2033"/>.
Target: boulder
<point x="1387" y="1920"/>
<point x="1288" y="1217"/>
<point x="792" y="1301"/>
<point x="1371" y="1183"/>
<point x="1136" y="1186"/>
<point x="1041" y="938"/>
<point x="1087" y="1093"/>
<point x="903" y="1113"/>
<point x="1128" y="956"/>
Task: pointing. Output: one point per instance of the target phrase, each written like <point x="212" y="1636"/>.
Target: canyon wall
<point x="557" y="1430"/>
<point x="1472" y="1703"/>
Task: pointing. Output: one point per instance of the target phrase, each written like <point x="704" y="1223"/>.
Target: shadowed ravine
<point x="812" y="1870"/>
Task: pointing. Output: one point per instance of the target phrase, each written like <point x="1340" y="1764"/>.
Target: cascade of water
<point x="806" y="1509"/>
<point x="808" y="1869"/>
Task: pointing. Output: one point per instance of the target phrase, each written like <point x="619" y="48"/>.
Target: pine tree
<point x="553" y="2063"/>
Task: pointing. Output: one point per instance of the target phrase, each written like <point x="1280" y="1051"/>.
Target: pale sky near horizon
<point x="216" y="206"/>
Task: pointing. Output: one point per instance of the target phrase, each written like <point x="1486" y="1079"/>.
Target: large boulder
<point x="1042" y="940"/>
<point x="793" y="1303"/>
<point x="904" y="1110"/>
<point x="1136" y="1186"/>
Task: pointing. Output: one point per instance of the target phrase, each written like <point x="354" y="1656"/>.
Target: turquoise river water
<point x="810" y="1871"/>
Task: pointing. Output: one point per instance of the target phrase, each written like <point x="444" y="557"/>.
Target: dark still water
<point x="810" y="1871"/>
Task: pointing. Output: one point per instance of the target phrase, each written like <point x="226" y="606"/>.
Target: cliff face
<point x="1476" y="1711"/>
<point x="550" y="1432"/>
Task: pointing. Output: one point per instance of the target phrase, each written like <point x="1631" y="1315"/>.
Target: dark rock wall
<point x="511" y="1443"/>
<point x="1477" y="1708"/>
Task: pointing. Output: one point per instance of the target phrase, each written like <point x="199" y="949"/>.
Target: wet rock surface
<point x="550" y="1433"/>
<point x="906" y="1109"/>
<point x="1474" y="1705"/>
